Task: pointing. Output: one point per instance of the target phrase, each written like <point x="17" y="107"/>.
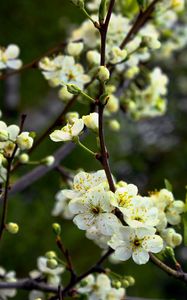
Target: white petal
<point x="77" y="127"/>
<point x="60" y="136"/>
<point x="107" y="223"/>
<point x="14" y="64"/>
<point x="84" y="221"/>
<point x="12" y="51"/>
<point x="13" y="131"/>
<point x="140" y="256"/>
<point x="123" y="253"/>
<point x="78" y="206"/>
<point x="153" y="244"/>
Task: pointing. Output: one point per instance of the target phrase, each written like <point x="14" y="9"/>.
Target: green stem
<point x="84" y="147"/>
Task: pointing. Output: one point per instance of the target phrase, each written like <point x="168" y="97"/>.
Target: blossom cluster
<point x="131" y="224"/>
<point x="12" y="142"/>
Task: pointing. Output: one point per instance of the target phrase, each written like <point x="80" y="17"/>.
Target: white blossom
<point x="68" y="132"/>
<point x="9" y="57"/>
<point x="135" y="242"/>
<point x="95" y="209"/>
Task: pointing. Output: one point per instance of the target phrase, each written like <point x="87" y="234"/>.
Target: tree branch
<point x="176" y="274"/>
<point x="142" y="18"/>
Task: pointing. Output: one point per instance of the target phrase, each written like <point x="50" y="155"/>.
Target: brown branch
<point x="67" y="256"/>
<point x="141" y="20"/>
<point x="34" y="63"/>
<point x="176" y="274"/>
<point x="5" y="194"/>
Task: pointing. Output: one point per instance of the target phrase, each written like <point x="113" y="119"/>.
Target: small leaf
<point x="102" y="11"/>
<point x="168" y="185"/>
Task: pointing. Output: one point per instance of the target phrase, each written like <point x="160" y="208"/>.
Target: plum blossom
<point x="135" y="242"/>
<point x="9" y="57"/>
<point x="94" y="209"/>
<point x="100" y="287"/>
<point x="7" y="277"/>
<point x="68" y="132"/>
<point x="63" y="70"/>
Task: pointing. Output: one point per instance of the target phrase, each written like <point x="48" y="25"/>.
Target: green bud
<point x="125" y="283"/>
<point x="32" y="134"/>
<point x="50" y="254"/>
<point x="12" y="228"/>
<point x="73" y="89"/>
<point x="56" y="228"/>
<point x="4" y="135"/>
<point x="52" y="263"/>
<point x="24" y="158"/>
<point x="103" y="74"/>
<point x="130" y="279"/>
<point x="117" y="284"/>
<point x="78" y="3"/>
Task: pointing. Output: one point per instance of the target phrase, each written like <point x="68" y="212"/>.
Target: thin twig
<point x="67" y="256"/>
<point x="5" y="194"/>
<point x="142" y="18"/>
<point x="176" y="274"/>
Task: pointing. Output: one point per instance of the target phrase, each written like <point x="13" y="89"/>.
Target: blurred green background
<point x="143" y="153"/>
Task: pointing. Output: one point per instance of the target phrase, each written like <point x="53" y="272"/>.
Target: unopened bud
<point x="125" y="283"/>
<point x="56" y="228"/>
<point x="114" y="125"/>
<point x="24" y="141"/>
<point x="50" y="254"/>
<point x="73" y="89"/>
<point x="71" y="116"/>
<point x="117" y="284"/>
<point x="52" y="263"/>
<point x="78" y="3"/>
<point x="4" y="135"/>
<point x="74" y="49"/>
<point x="49" y="160"/>
<point x="64" y="95"/>
<point x="103" y="74"/>
<point x="130" y="279"/>
<point x="24" y="158"/>
<point x="12" y="228"/>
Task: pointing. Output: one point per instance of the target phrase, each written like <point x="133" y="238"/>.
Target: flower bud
<point x="130" y="279"/>
<point x="112" y="104"/>
<point x="114" y="125"/>
<point x="103" y="74"/>
<point x="73" y="89"/>
<point x="151" y="42"/>
<point x="71" y="116"/>
<point x="78" y="3"/>
<point x="64" y="95"/>
<point x="131" y="72"/>
<point x="24" y="141"/>
<point x="125" y="283"/>
<point x="49" y="160"/>
<point x="50" y="254"/>
<point x="93" y="57"/>
<point x="168" y="251"/>
<point x="4" y="135"/>
<point x="56" y="228"/>
<point x="117" y="284"/>
<point x="24" y="158"/>
<point x="12" y="228"/>
<point x="92" y="121"/>
<point x="74" y="49"/>
<point x="52" y="263"/>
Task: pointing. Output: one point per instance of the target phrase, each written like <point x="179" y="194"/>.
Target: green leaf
<point x="168" y="185"/>
<point x="102" y="10"/>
